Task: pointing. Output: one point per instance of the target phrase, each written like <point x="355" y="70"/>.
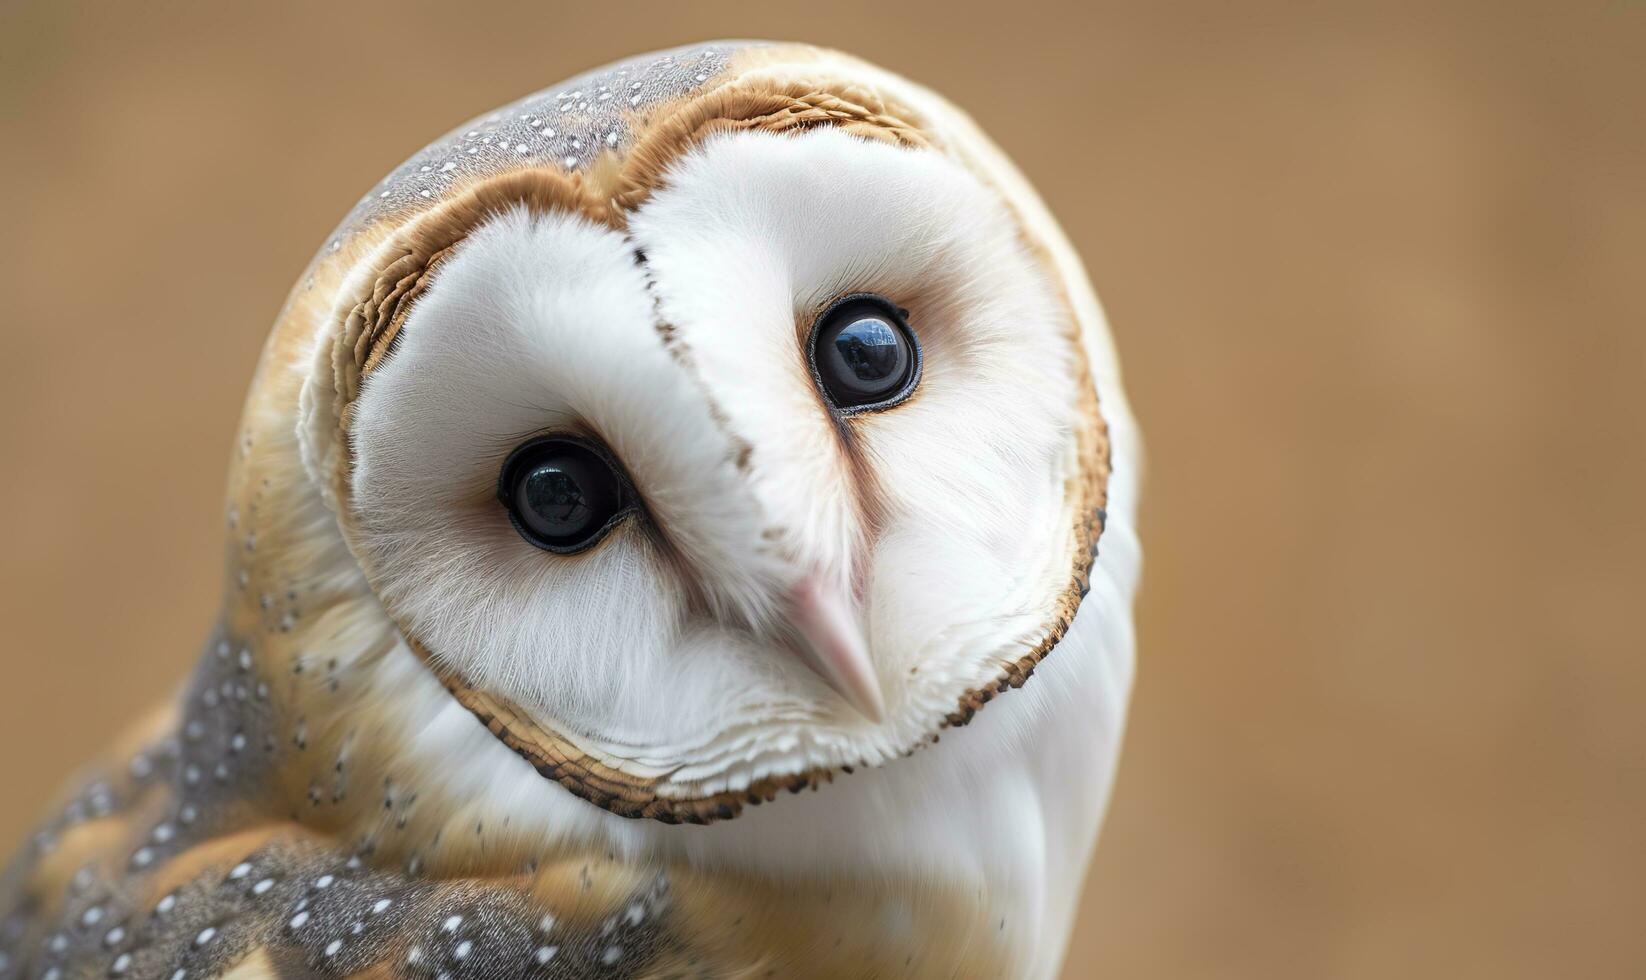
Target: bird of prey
<point x="681" y="525"/>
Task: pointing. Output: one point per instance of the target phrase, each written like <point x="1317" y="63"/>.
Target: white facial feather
<point x="550" y="324"/>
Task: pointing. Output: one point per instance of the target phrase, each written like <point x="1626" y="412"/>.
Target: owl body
<point x="585" y="614"/>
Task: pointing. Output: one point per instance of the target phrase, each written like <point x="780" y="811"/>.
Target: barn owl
<point x="682" y="525"/>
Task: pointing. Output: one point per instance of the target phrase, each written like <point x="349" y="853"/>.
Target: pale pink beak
<point x="832" y="644"/>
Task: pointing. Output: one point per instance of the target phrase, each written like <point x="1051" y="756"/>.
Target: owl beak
<point x="832" y="644"/>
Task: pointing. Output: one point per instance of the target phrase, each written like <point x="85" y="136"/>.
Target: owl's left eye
<point x="563" y="494"/>
<point x="863" y="354"/>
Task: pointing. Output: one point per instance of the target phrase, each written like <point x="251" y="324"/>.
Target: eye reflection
<point x="552" y="499"/>
<point x="873" y="354"/>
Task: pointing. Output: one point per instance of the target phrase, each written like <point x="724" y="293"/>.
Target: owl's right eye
<point x="564" y="494"/>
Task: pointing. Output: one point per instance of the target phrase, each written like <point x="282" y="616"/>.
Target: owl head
<point x="711" y="425"/>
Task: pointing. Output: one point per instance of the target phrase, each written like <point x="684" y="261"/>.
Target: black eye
<point x="562" y="494"/>
<point x="863" y="353"/>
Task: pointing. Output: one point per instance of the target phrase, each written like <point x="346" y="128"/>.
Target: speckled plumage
<point x="309" y="806"/>
<point x="565" y="127"/>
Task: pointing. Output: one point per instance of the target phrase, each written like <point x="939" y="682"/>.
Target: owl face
<point x="754" y="454"/>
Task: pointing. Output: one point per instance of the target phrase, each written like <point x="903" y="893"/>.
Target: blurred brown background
<point x="1376" y="275"/>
